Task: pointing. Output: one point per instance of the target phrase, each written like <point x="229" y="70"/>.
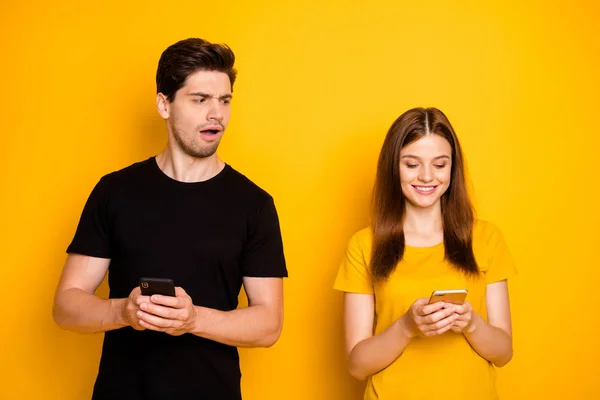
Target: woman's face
<point x="425" y="167"/>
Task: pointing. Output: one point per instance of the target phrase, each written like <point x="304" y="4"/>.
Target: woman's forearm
<point x="490" y="342"/>
<point x="377" y="352"/>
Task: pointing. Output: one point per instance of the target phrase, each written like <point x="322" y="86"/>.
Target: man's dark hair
<point x="188" y="56"/>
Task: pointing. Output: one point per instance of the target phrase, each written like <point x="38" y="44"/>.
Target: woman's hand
<point x="464" y="322"/>
<point x="423" y="319"/>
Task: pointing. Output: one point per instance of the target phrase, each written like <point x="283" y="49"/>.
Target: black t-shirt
<point x="205" y="236"/>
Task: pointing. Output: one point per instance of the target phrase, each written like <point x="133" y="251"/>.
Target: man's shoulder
<point x="126" y="174"/>
<point x="243" y="185"/>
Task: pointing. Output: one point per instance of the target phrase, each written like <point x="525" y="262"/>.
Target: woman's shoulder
<point x="362" y="238"/>
<point x="487" y="236"/>
<point x="491" y="252"/>
<point x="364" y="233"/>
<point x="485" y="230"/>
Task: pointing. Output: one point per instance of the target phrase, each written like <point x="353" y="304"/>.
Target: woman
<point x="424" y="237"/>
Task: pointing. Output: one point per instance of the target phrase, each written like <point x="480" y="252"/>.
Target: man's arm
<point x="258" y="325"/>
<point x="77" y="309"/>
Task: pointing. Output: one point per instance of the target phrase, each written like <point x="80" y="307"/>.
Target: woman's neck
<point x="423" y="226"/>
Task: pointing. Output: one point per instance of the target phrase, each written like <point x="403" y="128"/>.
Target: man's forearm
<point x="79" y="311"/>
<point x="253" y="326"/>
<point x="490" y="342"/>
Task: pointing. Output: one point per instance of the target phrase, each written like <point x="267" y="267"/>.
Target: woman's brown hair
<point x="389" y="203"/>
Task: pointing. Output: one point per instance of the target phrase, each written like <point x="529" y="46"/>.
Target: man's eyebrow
<point x="201" y="94"/>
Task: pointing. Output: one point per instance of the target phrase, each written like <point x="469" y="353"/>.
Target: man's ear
<point x="163" y="105"/>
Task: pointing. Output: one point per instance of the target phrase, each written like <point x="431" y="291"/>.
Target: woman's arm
<point x="368" y="353"/>
<point x="492" y="340"/>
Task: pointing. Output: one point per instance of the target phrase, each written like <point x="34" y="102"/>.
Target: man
<point x="188" y="216"/>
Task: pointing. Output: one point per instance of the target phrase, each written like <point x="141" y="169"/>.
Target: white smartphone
<point x="454" y="296"/>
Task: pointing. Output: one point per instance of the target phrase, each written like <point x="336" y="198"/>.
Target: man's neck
<point x="185" y="168"/>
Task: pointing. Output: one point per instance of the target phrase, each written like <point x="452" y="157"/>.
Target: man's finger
<point x="139" y="299"/>
<point x="168" y="301"/>
<point x="156" y="321"/>
<point x="160" y="311"/>
<point x="151" y="327"/>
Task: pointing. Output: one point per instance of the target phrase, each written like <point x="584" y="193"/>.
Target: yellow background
<point x="319" y="84"/>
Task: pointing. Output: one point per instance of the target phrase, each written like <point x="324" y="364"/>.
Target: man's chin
<point x="204" y="152"/>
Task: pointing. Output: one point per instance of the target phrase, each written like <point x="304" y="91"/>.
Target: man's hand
<point x="172" y="315"/>
<point x="132" y="307"/>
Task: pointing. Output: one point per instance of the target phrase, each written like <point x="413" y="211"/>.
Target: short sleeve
<point x="92" y="237"/>
<point x="353" y="275"/>
<point x="263" y="254"/>
<point x="500" y="262"/>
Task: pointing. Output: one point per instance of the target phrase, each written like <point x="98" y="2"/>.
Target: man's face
<point x="199" y="113"/>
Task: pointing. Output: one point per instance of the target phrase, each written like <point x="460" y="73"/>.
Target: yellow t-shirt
<point x="440" y="367"/>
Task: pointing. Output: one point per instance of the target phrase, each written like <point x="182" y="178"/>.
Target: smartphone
<point x="163" y="286"/>
<point x="455" y="296"/>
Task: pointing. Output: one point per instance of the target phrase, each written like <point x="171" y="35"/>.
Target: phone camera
<point x="145" y="285"/>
